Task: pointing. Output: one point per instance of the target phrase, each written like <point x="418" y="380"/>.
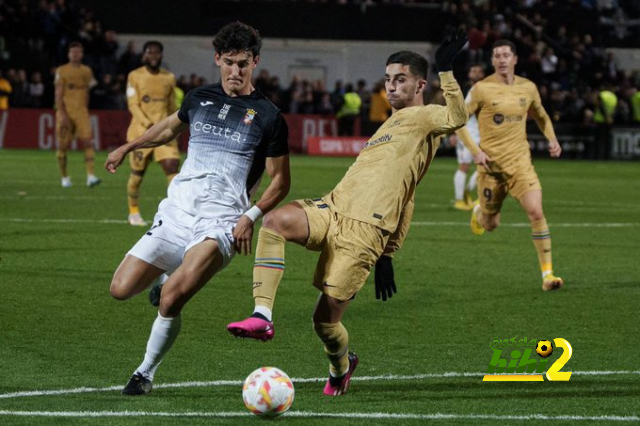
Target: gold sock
<point x="90" y="160"/>
<point x="336" y="344"/>
<point x="62" y="162"/>
<point x="542" y="241"/>
<point x="133" y="192"/>
<point x="268" y="268"/>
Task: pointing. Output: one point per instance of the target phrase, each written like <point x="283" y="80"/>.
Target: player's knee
<point x="276" y="220"/>
<point x="119" y="289"/>
<point x="535" y="215"/>
<point x="61" y="153"/>
<point x="171" y="303"/>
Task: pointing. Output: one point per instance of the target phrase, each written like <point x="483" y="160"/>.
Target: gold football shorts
<point x="348" y="249"/>
<point x="79" y="127"/>
<point x="140" y="158"/>
<point x="495" y="183"/>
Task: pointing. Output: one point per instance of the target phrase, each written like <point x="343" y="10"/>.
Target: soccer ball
<point x="268" y="391"/>
<point x="544" y="348"/>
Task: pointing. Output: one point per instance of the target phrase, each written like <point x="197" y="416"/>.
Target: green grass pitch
<point x="60" y="329"/>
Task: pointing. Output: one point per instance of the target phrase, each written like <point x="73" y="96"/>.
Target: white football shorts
<point x="175" y="231"/>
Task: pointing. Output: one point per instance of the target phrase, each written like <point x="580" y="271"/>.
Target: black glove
<point x="452" y="44"/>
<point x="385" y="284"/>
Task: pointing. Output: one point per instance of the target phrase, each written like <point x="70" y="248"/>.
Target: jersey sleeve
<point x="474" y="99"/>
<point x="540" y="115"/>
<point x="438" y="119"/>
<point x="183" y="112"/>
<point x="133" y="102"/>
<point x="278" y="142"/>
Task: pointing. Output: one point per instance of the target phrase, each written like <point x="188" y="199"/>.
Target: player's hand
<point x="481" y="158"/>
<point x="243" y="235"/>
<point x="554" y="148"/>
<point x="385" y="282"/>
<point x="115" y="159"/>
<point x="452" y="44"/>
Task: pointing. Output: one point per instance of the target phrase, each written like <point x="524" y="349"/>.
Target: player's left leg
<point x="83" y="129"/>
<point x="170" y="168"/>
<point x="531" y="202"/>
<point x="459" y="180"/>
<point x="64" y="135"/>
<point x="138" y="162"/>
<point x="327" y="324"/>
<point x="200" y="264"/>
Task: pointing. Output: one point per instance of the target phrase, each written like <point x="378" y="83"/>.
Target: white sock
<point x="458" y="184"/>
<point x="163" y="334"/>
<point x="471" y="185"/>
<point x="264" y="311"/>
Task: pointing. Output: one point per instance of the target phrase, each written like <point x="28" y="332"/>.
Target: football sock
<point x="163" y="334"/>
<point x="262" y="312"/>
<point x="336" y="345"/>
<point x="170" y="178"/>
<point x="90" y="161"/>
<point x="62" y="162"/>
<point x="268" y="268"/>
<point x="133" y="192"/>
<point x="458" y="184"/>
<point x="542" y="241"/>
<point x="471" y="185"/>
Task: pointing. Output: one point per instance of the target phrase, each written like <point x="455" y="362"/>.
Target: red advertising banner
<point x="36" y="129"/>
<point x="336" y="146"/>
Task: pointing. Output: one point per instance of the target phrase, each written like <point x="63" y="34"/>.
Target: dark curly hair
<point x="237" y="37"/>
<point x="418" y="65"/>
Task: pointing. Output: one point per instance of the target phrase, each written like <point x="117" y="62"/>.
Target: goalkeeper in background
<point x="365" y="219"/>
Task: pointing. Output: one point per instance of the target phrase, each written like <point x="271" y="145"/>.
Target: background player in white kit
<point x="235" y="133"/>
<point x="465" y="159"/>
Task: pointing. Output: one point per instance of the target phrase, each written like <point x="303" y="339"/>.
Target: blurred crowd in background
<point x="570" y="65"/>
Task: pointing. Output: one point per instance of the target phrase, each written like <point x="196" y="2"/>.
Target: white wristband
<point x="254" y="213"/>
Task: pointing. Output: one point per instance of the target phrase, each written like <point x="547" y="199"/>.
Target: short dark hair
<point x="504" y="42"/>
<point x="418" y="64"/>
<point x="237" y="37"/>
<point x="74" y="44"/>
<point x="152" y="43"/>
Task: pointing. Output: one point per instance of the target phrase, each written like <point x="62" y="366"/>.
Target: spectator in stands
<point x="36" y="90"/>
<point x="635" y="105"/>
<point x="379" y="110"/>
<point x="5" y="92"/>
<point x="20" y="96"/>
<point x="605" y="103"/>
<point x="129" y="60"/>
<point x="348" y="112"/>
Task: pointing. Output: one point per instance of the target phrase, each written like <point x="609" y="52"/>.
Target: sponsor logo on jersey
<point x="224" y="111"/>
<point x="223" y="132"/>
<point x="146" y="99"/>
<point x="205" y="103"/>
<point x="248" y="117"/>
<point x="384" y="138"/>
<point x="498" y="118"/>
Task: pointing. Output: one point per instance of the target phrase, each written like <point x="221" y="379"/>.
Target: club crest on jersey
<point x="248" y="117"/>
<point x="523" y="102"/>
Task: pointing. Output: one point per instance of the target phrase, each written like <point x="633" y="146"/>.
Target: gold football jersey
<point x="76" y="81"/>
<point x="381" y="183"/>
<point x="502" y="111"/>
<point x="151" y="97"/>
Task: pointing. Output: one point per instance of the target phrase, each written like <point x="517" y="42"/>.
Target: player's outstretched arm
<point x="279" y="172"/>
<point x="159" y="134"/>
<point x="452" y="44"/>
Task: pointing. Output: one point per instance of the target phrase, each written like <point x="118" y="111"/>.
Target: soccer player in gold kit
<point x="73" y="81"/>
<point x="364" y="220"/>
<point x="151" y="98"/>
<point x="501" y="103"/>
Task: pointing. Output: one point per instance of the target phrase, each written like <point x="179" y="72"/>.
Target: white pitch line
<point x="311" y="414"/>
<point x="295" y="380"/>
<point x="463" y="224"/>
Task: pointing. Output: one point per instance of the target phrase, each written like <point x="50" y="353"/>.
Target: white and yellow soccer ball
<point x="268" y="391"/>
<point x="544" y="348"/>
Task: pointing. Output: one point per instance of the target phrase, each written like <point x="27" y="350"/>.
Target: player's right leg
<point x="486" y="213"/>
<point x="138" y="161"/>
<point x="64" y="135"/>
<point x="287" y="223"/>
<point x="133" y="276"/>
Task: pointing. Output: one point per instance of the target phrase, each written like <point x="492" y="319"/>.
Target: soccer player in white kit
<point x="463" y="199"/>
<point x="235" y="134"/>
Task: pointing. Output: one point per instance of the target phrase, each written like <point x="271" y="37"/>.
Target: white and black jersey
<point x="230" y="138"/>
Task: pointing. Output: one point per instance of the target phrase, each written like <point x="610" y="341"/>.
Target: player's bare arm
<point x="279" y="172"/>
<point x="159" y="134"/>
<point x="64" y="116"/>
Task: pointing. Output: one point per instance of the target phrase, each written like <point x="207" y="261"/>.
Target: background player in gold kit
<point x="365" y="219"/>
<point x="73" y="81"/>
<point x="151" y="98"/>
<point x="501" y="103"/>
